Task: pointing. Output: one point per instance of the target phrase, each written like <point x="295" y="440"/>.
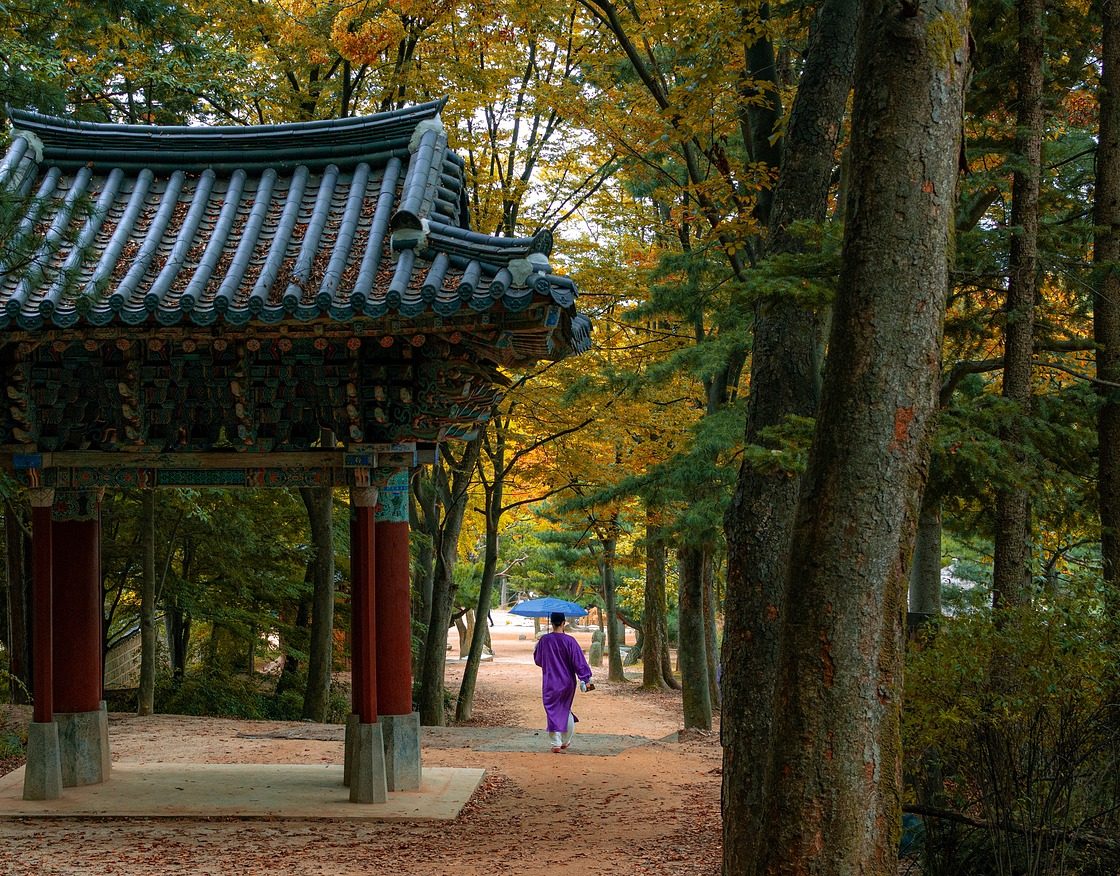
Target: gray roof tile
<point x="360" y="218"/>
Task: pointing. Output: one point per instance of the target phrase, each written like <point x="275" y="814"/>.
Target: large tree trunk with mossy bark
<point x="834" y="790"/>
<point x="785" y="381"/>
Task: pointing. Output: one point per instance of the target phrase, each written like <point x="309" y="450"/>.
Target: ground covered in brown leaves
<point x="651" y="810"/>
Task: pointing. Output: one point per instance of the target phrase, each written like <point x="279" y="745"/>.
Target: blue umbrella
<point x="546" y="605"/>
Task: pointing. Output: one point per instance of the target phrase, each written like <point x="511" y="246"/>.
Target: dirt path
<point x="653" y="809"/>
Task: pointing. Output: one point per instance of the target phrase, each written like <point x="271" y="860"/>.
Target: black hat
<point x="557" y="618"/>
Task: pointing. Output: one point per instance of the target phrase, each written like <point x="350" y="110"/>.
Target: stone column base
<point x="42" y="777"/>
<point x="367" y="772"/>
<point x="348" y="752"/>
<point x="401" y="735"/>
<point x="83" y="739"/>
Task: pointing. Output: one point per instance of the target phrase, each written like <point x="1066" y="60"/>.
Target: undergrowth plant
<point x="1012" y="739"/>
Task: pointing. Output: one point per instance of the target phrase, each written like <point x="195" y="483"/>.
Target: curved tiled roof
<point x="349" y="219"/>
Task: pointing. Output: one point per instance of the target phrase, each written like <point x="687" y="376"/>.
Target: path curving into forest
<point x="647" y="806"/>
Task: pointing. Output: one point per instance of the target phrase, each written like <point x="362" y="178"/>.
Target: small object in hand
<point x="590" y="686"/>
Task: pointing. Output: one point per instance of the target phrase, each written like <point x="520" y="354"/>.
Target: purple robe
<point x="561" y="661"/>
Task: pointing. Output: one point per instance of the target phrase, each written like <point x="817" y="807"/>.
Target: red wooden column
<point x="42" y="778"/>
<point x="363" y="606"/>
<point x="77" y="602"/>
<point x="42" y="597"/>
<point x="400" y="725"/>
<point x="394" y="624"/>
<point x="364" y="765"/>
<point x="83" y="725"/>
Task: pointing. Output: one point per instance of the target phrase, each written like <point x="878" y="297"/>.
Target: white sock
<point x="570" y="731"/>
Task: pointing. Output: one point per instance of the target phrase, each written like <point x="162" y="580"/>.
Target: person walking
<point x="561" y="661"/>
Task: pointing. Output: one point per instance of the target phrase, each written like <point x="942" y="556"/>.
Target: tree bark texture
<point x="655" y="611"/>
<point x="834" y="788"/>
<point x="785" y="380"/>
<point x="696" y="699"/>
<point x="494" y="496"/>
<point x="711" y="638"/>
<point x="925" y="570"/>
<point x="145" y="700"/>
<point x="18" y="557"/>
<point x="614" y="628"/>
<point x="1106" y="310"/>
<point x="319" y="502"/>
<point x="1011" y="568"/>
<point x="177" y="621"/>
<point x="453" y="491"/>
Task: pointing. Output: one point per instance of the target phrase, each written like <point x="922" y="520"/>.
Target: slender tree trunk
<point x="18" y="557"/>
<point x="494" y="496"/>
<point x="614" y="638"/>
<point x="1011" y="568"/>
<point x="655" y="625"/>
<point x="697" y="701"/>
<point x="925" y="570"/>
<point x="834" y="791"/>
<point x="453" y="488"/>
<point x="178" y="626"/>
<point x="296" y="641"/>
<point x="424" y="515"/>
<point x="1106" y="309"/>
<point x="319" y="502"/>
<point x="147" y="693"/>
<point x="177" y="621"/>
<point x="424" y="570"/>
<point x="711" y="641"/>
<point x="251" y="653"/>
<point x="464" y="626"/>
<point x="785" y="380"/>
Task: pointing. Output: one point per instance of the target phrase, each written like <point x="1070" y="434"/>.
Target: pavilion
<point x="282" y="305"/>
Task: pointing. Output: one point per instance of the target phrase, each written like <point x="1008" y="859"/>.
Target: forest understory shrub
<point x="1012" y="742"/>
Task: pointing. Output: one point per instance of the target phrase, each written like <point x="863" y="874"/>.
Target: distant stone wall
<point x="122" y="664"/>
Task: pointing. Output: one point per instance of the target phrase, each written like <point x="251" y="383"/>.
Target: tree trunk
<point x="1106" y="309"/>
<point x="614" y="639"/>
<point x="18" y="557"/>
<point x="295" y="642"/>
<point x="463" y="626"/>
<point x="834" y="790"/>
<point x="925" y="570"/>
<point x="711" y="641"/>
<point x="697" y="701"/>
<point x="147" y="693"/>
<point x="655" y="623"/>
<point x="177" y="621"/>
<point x="495" y="492"/>
<point x="319" y="502"/>
<point x="785" y="380"/>
<point x="494" y="495"/>
<point x="1011" y="568"/>
<point x="424" y="570"/>
<point x="453" y="490"/>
